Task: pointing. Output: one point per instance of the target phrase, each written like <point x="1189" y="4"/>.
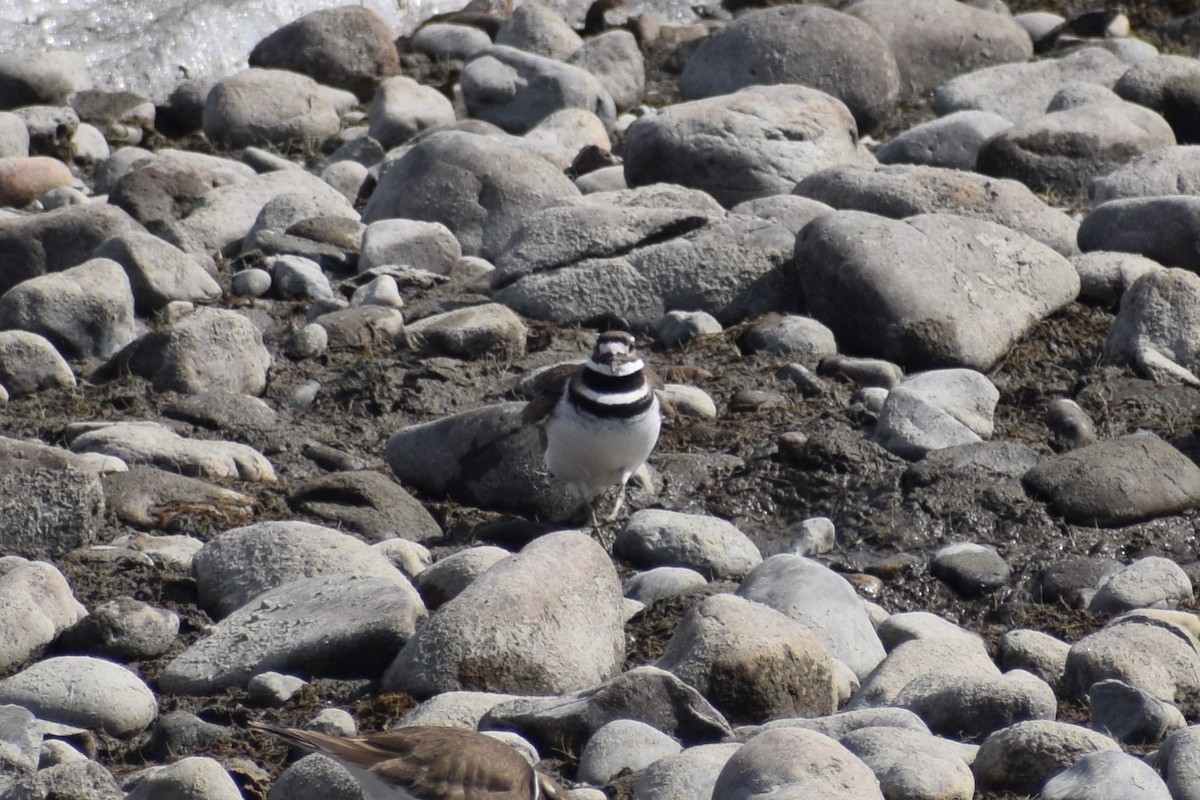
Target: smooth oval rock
<point x="339" y="626"/>
<point x="1116" y="482"/>
<point x="29" y="363"/>
<point x="211" y="348"/>
<point x="655" y="537"/>
<point x="240" y="564"/>
<point x="751" y="661"/>
<point x="480" y="189"/>
<point x="487" y="636"/>
<point x="23" y="180"/>
<point x="795" y="762"/>
<point x="917" y="316"/>
<point x="797" y="44"/>
<point x="191" y="778"/>
<point x="755" y="142"/>
<point x="87" y="310"/>
<point x="935" y="40"/>
<point x="822" y="601"/>
<point x="349" y="47"/>
<point x="1106" y="775"/>
<point x="623" y="744"/>
<point x="516" y="90"/>
<point x="36" y="604"/>
<point x="1023" y="756"/>
<point x="1142" y="651"/>
<point x="267" y="106"/>
<point x="83" y="691"/>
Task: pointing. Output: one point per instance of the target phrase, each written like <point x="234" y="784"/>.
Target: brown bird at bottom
<point x="426" y="762"/>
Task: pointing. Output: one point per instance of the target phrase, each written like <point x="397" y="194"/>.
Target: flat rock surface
<point x="1117" y="482"/>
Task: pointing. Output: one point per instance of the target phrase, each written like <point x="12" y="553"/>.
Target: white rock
<point x="566" y="581"/>
<point x="623" y="744"/>
<point x="821" y="600"/>
<point x="83" y="691"/>
<point x="192" y="778"/>
<point x="654" y="537"/>
<point x="150" y="443"/>
<point x="402" y="108"/>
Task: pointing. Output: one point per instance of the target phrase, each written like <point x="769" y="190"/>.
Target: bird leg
<point x="617" y="506"/>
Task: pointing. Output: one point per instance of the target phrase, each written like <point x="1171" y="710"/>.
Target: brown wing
<point x="453" y="764"/>
<point x="431" y="763"/>
<point x="547" y="388"/>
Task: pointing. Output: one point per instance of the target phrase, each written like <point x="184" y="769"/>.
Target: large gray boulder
<point x="548" y="620"/>
<point x="1166" y="171"/>
<point x="1107" y="775"/>
<point x="29" y="363"/>
<point x="794" y="762"/>
<point x="211" y="348"/>
<point x="268" y="107"/>
<point x="1169" y="84"/>
<point x="900" y="191"/>
<point x="538" y="29"/>
<point x="616" y="60"/>
<point x="516" y="90"/>
<point x="1154" y="651"/>
<point x="822" y="601"/>
<point x="935" y="40"/>
<point x="1023" y="756"/>
<point x="1064" y="150"/>
<point x="86" y="311"/>
<point x="755" y="142"/>
<point x="83" y="691"/>
<point x="480" y="188"/>
<point x="1163" y="228"/>
<point x="38" y="606"/>
<point x="1118" y="482"/>
<point x="158" y="272"/>
<point x="802" y="44"/>
<point x="752" y="662"/>
<point x="402" y="108"/>
<point x="56" y="240"/>
<point x="644" y="252"/>
<point x="240" y="564"/>
<point x="1022" y="91"/>
<point x="1157" y="330"/>
<point x="915" y="291"/>
<point x="951" y="141"/>
<point x="340" y="626"/>
<point x="349" y="47"/>
<point x="485" y="458"/>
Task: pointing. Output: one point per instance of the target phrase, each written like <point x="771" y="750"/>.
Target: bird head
<point x="614" y="354"/>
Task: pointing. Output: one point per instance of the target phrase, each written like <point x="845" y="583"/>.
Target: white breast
<point x="595" y="453"/>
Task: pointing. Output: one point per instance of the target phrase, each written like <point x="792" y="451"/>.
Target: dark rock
<point x="367" y="503"/>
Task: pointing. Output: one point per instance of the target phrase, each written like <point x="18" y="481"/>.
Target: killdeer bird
<point x="599" y="420"/>
<point x="426" y="762"/>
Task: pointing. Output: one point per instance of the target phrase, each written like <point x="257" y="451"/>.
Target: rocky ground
<point x="783" y="445"/>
